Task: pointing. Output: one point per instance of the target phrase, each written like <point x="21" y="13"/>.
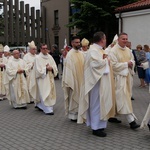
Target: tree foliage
<point x="94" y="15"/>
<point x="1" y="24"/>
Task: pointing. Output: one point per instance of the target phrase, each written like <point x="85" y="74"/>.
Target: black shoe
<point x="50" y="113"/>
<point x="148" y="126"/>
<point x="74" y="120"/>
<point x="114" y="120"/>
<point x="31" y="102"/>
<point x="56" y="78"/>
<point x="25" y="107"/>
<point x="132" y="98"/>
<point x="16" y="108"/>
<point x="134" y="125"/>
<point x="99" y="132"/>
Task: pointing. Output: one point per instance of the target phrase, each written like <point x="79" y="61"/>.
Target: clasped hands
<point x="106" y="56"/>
<point x="48" y="67"/>
<point x="130" y="64"/>
<point x="32" y="66"/>
<point x="2" y="65"/>
<point x="20" y="71"/>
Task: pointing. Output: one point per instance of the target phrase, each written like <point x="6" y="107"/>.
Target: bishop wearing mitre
<point x="6" y="51"/>
<point x="84" y="46"/>
<point x="29" y="58"/>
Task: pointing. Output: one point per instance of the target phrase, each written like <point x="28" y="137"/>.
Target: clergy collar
<point x="43" y="56"/>
<point x="75" y="50"/>
<point x="6" y="57"/>
<point x="32" y="54"/>
<point x="122" y="48"/>
<point x="84" y="51"/>
<point x="98" y="46"/>
<point x="16" y="59"/>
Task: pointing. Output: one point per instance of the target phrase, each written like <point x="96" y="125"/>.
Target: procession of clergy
<point x="97" y="83"/>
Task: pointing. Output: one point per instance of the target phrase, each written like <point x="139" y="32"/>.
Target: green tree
<point x="90" y="16"/>
<point x="1" y="24"/>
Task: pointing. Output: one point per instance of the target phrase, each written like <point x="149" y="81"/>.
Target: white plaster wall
<point x="138" y="28"/>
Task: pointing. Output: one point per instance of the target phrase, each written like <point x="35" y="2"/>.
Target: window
<point x="56" y="17"/>
<point x="56" y="40"/>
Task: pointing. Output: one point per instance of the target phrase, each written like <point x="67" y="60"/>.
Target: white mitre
<point x="115" y="39"/>
<point x="31" y="45"/>
<point x="84" y="42"/>
<point x="6" y="48"/>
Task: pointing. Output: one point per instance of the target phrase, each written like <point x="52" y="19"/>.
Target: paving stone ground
<point x="31" y="129"/>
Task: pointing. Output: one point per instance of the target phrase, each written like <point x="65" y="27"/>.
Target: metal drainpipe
<point x="120" y="23"/>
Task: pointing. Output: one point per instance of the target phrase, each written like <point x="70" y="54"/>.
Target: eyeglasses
<point x="77" y="42"/>
<point x="44" y="48"/>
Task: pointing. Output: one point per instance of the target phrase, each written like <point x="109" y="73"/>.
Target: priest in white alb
<point x="72" y="79"/>
<point x="96" y="103"/>
<point x="123" y="65"/>
<point x="107" y="52"/>
<point x="42" y="89"/>
<point x="16" y="83"/>
<point x="3" y="62"/>
<point x="29" y="58"/>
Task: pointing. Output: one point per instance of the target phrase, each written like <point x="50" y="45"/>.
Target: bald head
<point x="16" y="54"/>
<point x="15" y="51"/>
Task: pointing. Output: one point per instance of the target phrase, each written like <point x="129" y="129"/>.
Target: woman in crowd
<point x="141" y="58"/>
<point x="147" y="71"/>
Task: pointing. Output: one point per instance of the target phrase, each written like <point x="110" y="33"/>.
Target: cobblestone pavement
<point x="31" y="129"/>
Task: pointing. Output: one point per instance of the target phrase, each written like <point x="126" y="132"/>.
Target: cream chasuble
<point x="29" y="59"/>
<point x="72" y="81"/>
<point x="114" y="110"/>
<point x="16" y="84"/>
<point x="95" y="70"/>
<point x="107" y="50"/>
<point x="42" y="85"/>
<point x="3" y="60"/>
<point x="123" y="78"/>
